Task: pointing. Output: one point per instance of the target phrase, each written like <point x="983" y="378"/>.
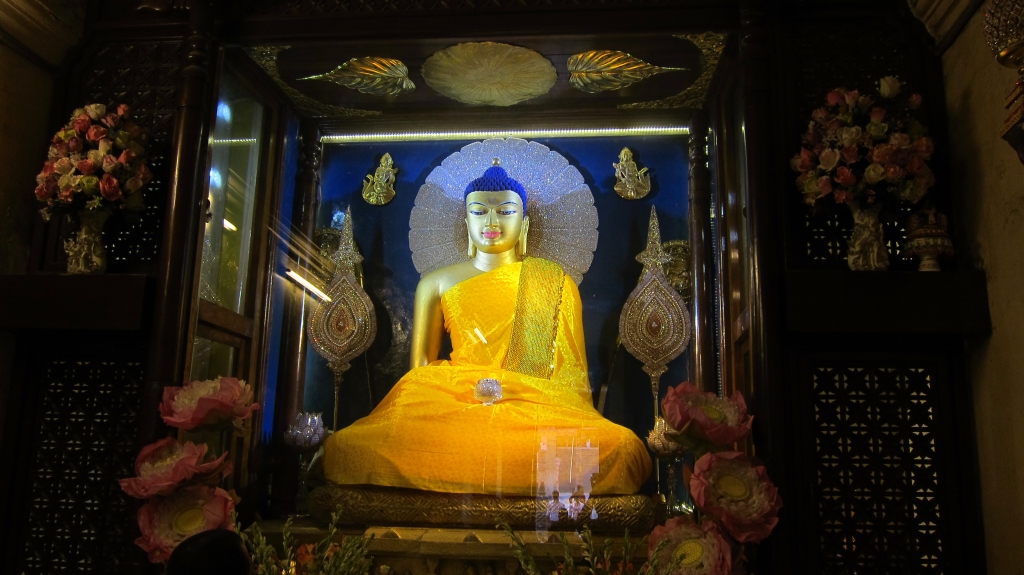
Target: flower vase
<point x="867" y="245"/>
<point x="86" y="253"/>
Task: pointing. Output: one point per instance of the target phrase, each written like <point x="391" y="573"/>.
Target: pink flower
<point x="924" y="147"/>
<point x="123" y="110"/>
<point x="95" y="134"/>
<point x="109" y="188"/>
<point x="877" y="114"/>
<point x="833" y="125"/>
<point x="824" y="186"/>
<point x="803" y="161"/>
<point x="851" y="154"/>
<point x="894" y="173"/>
<point x="110" y="163"/>
<point x="900" y="140"/>
<point x="143" y="173"/>
<point x="852" y="97"/>
<point x="42" y="193"/>
<point x="914" y="101"/>
<point x="86" y="167"/>
<point x="881" y="153"/>
<point x="67" y="194"/>
<point x="914" y="165"/>
<point x="833" y="98"/>
<point x="207" y="402"/>
<point x="705" y="415"/>
<point x="811" y="136"/>
<point x="820" y="115"/>
<point x="167" y="521"/>
<point x="162" y="466"/>
<point x="81" y="124"/>
<point x="112" y="121"/>
<point x="845" y="178"/>
<point x="75" y="144"/>
<point x="841" y="196"/>
<point x="49" y="167"/>
<point x="694" y="549"/>
<point x="738" y="494"/>
<point x="127" y="157"/>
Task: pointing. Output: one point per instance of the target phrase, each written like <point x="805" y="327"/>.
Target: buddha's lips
<point x="492" y="235"/>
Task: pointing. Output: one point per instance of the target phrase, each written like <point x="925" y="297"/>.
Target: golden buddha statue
<point x="490" y="419"/>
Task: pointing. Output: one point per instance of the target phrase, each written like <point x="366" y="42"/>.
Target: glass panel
<point x="234" y="161"/>
<point x="211" y="359"/>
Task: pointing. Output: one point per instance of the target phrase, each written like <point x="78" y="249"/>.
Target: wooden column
<point x="292" y="379"/>
<point x="769" y="397"/>
<point x="175" y="267"/>
<point x="702" y="350"/>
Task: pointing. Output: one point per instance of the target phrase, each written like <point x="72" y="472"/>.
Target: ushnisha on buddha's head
<point x="496" y="213"/>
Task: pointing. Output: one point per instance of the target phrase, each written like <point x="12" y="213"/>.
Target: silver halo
<point x="563" y="219"/>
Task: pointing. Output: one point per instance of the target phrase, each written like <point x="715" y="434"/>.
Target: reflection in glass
<point x="567" y="460"/>
<point x="234" y="160"/>
<point x="211" y="359"/>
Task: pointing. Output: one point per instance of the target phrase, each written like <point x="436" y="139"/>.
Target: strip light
<point x="234" y="141"/>
<point x="484" y="134"/>
<point x="229" y="226"/>
<point x="306" y="284"/>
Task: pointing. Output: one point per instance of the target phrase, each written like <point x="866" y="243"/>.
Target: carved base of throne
<point x="368" y="505"/>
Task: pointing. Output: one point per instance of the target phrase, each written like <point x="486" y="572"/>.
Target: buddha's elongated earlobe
<point x="523" y="233"/>
<point x="471" y="250"/>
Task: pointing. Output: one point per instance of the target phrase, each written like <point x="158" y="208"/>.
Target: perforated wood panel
<point x="143" y="75"/>
<point x="877" y="480"/>
<point x="827" y="238"/>
<point x="79" y="520"/>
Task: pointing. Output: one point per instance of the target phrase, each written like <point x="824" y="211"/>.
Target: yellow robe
<point x="430" y="433"/>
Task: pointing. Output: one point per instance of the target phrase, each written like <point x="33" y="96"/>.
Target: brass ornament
<point x="631" y="183"/>
<point x="711" y="45"/>
<point x="371" y="75"/>
<point x="677" y="270"/>
<point x="489" y="73"/>
<point x="367" y="505"/>
<point x="344" y="327"/>
<point x="266" y="58"/>
<point x="379" y="187"/>
<point x="599" y="70"/>
<point x="563" y="219"/>
<point x="654" y="324"/>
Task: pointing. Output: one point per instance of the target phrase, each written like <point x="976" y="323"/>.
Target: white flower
<point x="889" y="86"/>
<point x="96" y="111"/>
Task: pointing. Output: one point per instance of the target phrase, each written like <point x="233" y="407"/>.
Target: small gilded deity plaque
<point x="632" y="182"/>
<point x="379" y="187"/>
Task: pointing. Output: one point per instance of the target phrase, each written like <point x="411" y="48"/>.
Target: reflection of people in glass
<point x="512" y="319"/>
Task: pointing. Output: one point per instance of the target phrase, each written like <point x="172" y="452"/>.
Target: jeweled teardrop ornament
<point x="344" y="327"/>
<point x="654" y="324"/>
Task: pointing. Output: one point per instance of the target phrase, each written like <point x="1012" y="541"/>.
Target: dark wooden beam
<point x="175" y="268"/>
<point x="74" y="302"/>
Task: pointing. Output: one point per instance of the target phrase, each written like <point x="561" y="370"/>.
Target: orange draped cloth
<point x="430" y="433"/>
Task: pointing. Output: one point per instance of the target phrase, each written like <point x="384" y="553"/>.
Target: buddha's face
<point x="495" y="220"/>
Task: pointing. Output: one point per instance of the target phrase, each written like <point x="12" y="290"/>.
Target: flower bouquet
<point x="95" y="165"/>
<point x="871" y="155"/>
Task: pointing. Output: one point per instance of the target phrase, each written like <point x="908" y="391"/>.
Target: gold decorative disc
<point x="489" y="73"/>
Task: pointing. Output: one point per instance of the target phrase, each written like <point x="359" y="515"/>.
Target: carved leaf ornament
<point x="654" y="324"/>
<point x="371" y="75"/>
<point x="599" y="70"/>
